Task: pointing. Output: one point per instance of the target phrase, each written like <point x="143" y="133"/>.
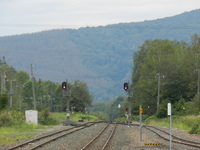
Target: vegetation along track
<point x="165" y="135"/>
<point x="43" y="140"/>
<point x="101" y="140"/>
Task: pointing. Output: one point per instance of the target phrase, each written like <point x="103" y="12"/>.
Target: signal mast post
<point x="67" y="110"/>
<point x="126" y="88"/>
<point x="65" y="94"/>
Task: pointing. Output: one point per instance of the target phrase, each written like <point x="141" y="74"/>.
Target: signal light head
<point x="64" y="85"/>
<point x="125" y="86"/>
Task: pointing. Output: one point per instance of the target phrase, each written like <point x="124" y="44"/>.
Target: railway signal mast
<point x="66" y="94"/>
<point x="126" y="88"/>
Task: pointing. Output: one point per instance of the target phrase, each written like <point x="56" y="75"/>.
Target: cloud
<point x="88" y="12"/>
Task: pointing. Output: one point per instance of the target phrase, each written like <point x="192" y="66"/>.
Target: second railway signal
<point x="64" y="85"/>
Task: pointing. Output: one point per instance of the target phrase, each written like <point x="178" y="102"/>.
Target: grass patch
<point x="188" y="123"/>
<point x="13" y="127"/>
<point x="14" y="137"/>
<point x="14" y="134"/>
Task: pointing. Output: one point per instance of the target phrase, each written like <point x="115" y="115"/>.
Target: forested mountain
<point x="101" y="56"/>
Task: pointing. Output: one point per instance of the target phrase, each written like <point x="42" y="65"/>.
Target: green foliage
<point x="76" y="116"/>
<point x="109" y="110"/>
<point x="5" y="120"/>
<point x="180" y="107"/>
<point x="87" y="117"/>
<point x="162" y="111"/>
<point x="189" y="123"/>
<point x="21" y="77"/>
<point x="3" y="102"/>
<point x="60" y="115"/>
<point x="11" y="118"/>
<point x="187" y="108"/>
<point x="80" y="97"/>
<point x="173" y="61"/>
<point x="195" y="129"/>
<point x="17" y="132"/>
<point x="100" y="115"/>
<point x="46" y="118"/>
<point x="48" y="94"/>
<point x="193" y="123"/>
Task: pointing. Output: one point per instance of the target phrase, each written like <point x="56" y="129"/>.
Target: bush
<point x="46" y="118"/>
<point x="195" y="129"/>
<point x="3" y="102"/>
<point x="180" y="107"/>
<point x="162" y="109"/>
<point x="5" y="120"/>
<point x="11" y="118"/>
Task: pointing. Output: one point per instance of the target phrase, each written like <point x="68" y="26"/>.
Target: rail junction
<point x="106" y="136"/>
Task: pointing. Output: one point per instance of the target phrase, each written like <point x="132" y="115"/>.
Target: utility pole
<point x="20" y="101"/>
<point x="198" y="84"/>
<point x="20" y="91"/>
<point x="33" y="88"/>
<point x="158" y="97"/>
<point x="3" y="79"/>
<point x="40" y="93"/>
<point x="3" y="75"/>
<point x="51" y="99"/>
<point x="11" y="92"/>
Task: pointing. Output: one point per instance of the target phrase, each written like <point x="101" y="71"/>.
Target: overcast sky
<point x="27" y="16"/>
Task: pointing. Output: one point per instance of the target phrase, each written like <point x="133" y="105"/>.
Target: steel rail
<point x="52" y="134"/>
<point x="176" y="137"/>
<point x="91" y="141"/>
<point x="109" y="138"/>
<point x="49" y="141"/>
<point x="178" y="141"/>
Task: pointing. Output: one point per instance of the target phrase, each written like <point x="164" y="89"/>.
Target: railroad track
<point x="101" y="140"/>
<point x="175" y="139"/>
<point x="46" y="139"/>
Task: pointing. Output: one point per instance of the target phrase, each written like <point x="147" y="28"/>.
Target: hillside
<point x="101" y="56"/>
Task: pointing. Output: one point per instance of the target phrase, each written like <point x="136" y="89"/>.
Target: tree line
<point x="17" y="92"/>
<point x="170" y="70"/>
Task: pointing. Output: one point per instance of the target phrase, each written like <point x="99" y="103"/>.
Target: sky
<point x="29" y="16"/>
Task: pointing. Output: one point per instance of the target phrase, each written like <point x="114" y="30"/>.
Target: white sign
<point x="31" y="116"/>
<point x="119" y="106"/>
<point x="169" y="109"/>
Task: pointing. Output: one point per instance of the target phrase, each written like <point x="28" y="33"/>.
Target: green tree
<point x="80" y="96"/>
<point x="21" y="77"/>
<point x="166" y="58"/>
<point x="3" y="101"/>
